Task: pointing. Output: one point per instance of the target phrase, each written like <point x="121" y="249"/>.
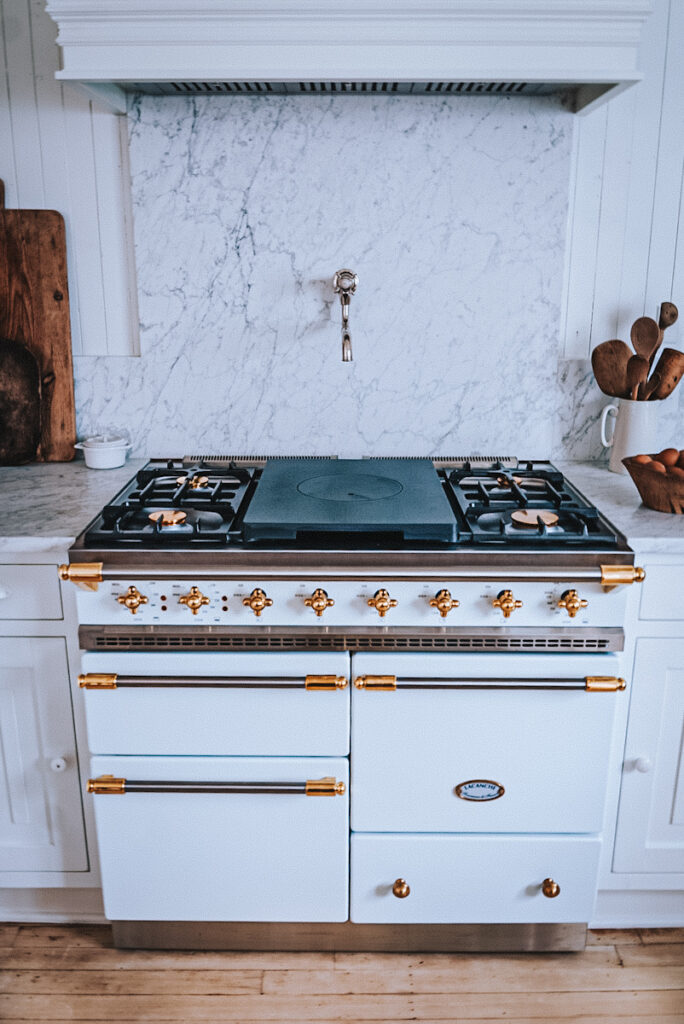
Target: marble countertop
<point x="46" y="505"/>
<point x="617" y="497"/>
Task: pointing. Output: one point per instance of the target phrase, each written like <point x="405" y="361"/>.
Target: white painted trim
<point x="52" y="906"/>
<point x="638" y="909"/>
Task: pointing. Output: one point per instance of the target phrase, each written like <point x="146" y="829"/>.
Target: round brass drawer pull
<point x="550" y="888"/>
<point x="401" y="889"/>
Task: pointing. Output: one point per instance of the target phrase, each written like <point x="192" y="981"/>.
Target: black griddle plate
<point x="296" y="498"/>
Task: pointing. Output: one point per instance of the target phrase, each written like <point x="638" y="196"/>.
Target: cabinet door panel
<point x="650" y="832"/>
<point x="41" y="819"/>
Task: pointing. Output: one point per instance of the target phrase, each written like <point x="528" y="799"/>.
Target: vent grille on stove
<point x="342" y="642"/>
<point x="345" y="88"/>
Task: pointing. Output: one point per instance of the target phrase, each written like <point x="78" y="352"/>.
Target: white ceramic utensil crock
<point x="634" y="431"/>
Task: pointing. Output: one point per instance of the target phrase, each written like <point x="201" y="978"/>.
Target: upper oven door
<point x="280" y="705"/>
<point x="481" y="743"/>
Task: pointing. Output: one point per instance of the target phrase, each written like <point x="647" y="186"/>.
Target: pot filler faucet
<point x="344" y="283"/>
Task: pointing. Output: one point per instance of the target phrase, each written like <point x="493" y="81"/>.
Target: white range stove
<point x="350" y="704"/>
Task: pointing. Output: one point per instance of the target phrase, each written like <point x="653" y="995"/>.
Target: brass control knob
<point x="506" y="602"/>
<point x="257" y="601"/>
<point x="319" y="601"/>
<point x="401" y="889"/>
<point x="132" y="599"/>
<point x="572" y="602"/>
<point x="444" y="603"/>
<point x="194" y="600"/>
<point x="382" y="602"/>
<point x="550" y="888"/>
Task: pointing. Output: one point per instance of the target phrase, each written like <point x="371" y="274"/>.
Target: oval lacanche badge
<point x="479" y="789"/>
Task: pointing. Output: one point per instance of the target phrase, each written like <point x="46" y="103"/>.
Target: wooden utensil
<point x="19" y="404"/>
<point x="649" y="386"/>
<point x="34" y="310"/>
<point x="669" y="368"/>
<point x="668" y="316"/>
<point x="645" y="335"/>
<point x="609" y="363"/>
<point x="637" y="372"/>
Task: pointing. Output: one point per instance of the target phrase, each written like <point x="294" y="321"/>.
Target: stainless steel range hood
<point x="586" y="49"/>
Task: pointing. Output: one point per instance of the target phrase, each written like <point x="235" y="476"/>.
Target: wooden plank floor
<point x="72" y="973"/>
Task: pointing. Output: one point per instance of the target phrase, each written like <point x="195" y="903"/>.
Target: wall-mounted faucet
<point x="344" y="283"/>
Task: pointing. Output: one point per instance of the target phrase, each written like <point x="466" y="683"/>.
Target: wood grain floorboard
<point x="546" y="1006"/>
<point x="72" y="973"/>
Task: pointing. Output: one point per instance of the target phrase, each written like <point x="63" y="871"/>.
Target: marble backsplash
<point x="452" y="212"/>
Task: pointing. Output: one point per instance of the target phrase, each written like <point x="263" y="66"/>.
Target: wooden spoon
<point x="637" y="372"/>
<point x="670" y="368"/>
<point x="609" y="363"/>
<point x="645" y="335"/>
<point x="668" y="316"/>
<point x="649" y="386"/>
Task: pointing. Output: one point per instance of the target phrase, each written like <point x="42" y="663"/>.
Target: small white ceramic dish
<point x="104" y="451"/>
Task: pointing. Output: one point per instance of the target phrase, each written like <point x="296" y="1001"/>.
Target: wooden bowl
<point x="662" y="492"/>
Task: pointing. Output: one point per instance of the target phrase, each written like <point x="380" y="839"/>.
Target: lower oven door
<point x="481" y="743"/>
<point x="222" y="838"/>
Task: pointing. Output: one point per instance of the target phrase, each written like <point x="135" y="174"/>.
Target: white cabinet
<point x="650" y="832"/>
<point x="41" y="820"/>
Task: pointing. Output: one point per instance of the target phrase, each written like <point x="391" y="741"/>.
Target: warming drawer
<point x="217" y="704"/>
<point x="222" y="839"/>
<point x="481" y="879"/>
<point x="481" y="743"/>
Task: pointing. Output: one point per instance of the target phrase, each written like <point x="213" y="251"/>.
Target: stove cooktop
<point x="305" y="503"/>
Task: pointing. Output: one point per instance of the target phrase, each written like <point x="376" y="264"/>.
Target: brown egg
<point x="657" y="467"/>
<point x="668" y="456"/>
<point x="642" y="459"/>
<point x="680" y="460"/>
<point x="677" y="472"/>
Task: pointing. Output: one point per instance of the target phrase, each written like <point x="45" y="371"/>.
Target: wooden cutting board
<point x="34" y="310"/>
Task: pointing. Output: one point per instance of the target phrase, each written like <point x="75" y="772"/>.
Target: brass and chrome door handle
<point x="113" y="681"/>
<point x="109" y="784"/>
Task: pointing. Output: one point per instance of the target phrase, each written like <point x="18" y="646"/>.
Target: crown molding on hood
<point x="585" y="47"/>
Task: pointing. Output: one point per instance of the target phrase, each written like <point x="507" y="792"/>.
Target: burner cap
<point x="193" y="482"/>
<point x="529" y="518"/>
<point x="168" y="517"/>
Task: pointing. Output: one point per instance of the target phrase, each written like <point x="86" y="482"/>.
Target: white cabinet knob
<point x="58" y="764"/>
<point x="643" y="764"/>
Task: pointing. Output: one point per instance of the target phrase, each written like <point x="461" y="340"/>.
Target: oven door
<point x="282" y="705"/>
<point x="222" y="838"/>
<point x="481" y="743"/>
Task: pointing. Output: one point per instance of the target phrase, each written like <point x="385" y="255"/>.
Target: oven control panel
<point x="319" y="603"/>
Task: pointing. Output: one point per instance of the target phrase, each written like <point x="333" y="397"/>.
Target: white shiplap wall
<point x="59" y="151"/>
<point x="625" y="248"/>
